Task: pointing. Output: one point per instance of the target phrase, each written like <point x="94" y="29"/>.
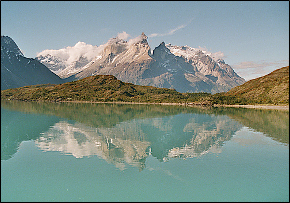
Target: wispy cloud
<point x="250" y="69"/>
<point x="123" y="35"/>
<point x="172" y="31"/>
<point x="71" y="54"/>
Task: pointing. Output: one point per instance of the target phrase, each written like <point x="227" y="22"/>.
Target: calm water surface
<point x="114" y="152"/>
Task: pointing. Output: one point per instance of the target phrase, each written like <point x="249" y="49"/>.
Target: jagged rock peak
<point x="6" y="40"/>
<point x="144" y="38"/>
<point x="140" y="40"/>
<point x="116" y="40"/>
<point x="221" y="61"/>
<point x="9" y="44"/>
<point x="161" y="46"/>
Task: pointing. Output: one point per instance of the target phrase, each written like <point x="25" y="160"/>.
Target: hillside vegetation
<point x="99" y="88"/>
<point x="269" y="89"/>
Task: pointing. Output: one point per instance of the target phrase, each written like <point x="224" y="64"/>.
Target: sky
<point x="252" y="36"/>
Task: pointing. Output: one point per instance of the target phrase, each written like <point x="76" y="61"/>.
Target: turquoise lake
<point x="122" y="152"/>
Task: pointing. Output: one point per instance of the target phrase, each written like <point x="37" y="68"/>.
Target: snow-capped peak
<point x="10" y="45"/>
<point x="189" y="52"/>
<point x="71" y="54"/>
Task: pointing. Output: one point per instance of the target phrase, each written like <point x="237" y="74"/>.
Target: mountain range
<point x="182" y="68"/>
<point x="18" y="70"/>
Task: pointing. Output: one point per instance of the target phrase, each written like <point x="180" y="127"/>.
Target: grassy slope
<point x="99" y="88"/>
<point x="269" y="89"/>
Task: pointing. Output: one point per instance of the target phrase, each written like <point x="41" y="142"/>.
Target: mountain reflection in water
<point x="123" y="133"/>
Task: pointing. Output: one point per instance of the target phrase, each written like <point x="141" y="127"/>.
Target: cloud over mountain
<point x="123" y="35"/>
<point x="183" y="68"/>
<point x="71" y="54"/>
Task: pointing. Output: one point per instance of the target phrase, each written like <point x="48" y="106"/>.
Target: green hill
<point x="99" y="88"/>
<point x="269" y="89"/>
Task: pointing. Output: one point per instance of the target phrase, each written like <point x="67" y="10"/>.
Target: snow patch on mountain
<point x="183" y="68"/>
<point x="10" y="46"/>
<point x="71" y="54"/>
<point x="189" y="53"/>
<point x="70" y="60"/>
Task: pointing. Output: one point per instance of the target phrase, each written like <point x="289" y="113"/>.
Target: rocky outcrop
<point x="183" y="68"/>
<point x="18" y="71"/>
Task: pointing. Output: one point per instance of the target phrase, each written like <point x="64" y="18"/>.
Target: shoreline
<point x="257" y="106"/>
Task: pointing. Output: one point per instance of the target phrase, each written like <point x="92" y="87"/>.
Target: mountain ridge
<point x="18" y="71"/>
<point x="164" y="67"/>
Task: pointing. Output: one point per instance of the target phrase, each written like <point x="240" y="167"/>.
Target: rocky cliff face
<point x="119" y="58"/>
<point x="210" y="72"/>
<point x="183" y="68"/>
<point x="69" y="60"/>
<point x="54" y="63"/>
<point x="18" y="71"/>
